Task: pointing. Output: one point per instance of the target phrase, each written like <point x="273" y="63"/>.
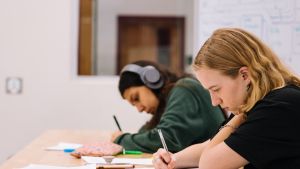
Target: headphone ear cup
<point x="151" y="77"/>
<point x="150" y="74"/>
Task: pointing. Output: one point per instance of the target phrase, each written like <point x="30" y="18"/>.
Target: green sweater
<point x="189" y="118"/>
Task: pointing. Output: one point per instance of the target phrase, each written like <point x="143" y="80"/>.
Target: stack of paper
<point x="135" y="161"/>
<point x="63" y="146"/>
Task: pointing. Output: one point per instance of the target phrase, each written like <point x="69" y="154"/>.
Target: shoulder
<point x="189" y="82"/>
<point x="286" y="96"/>
<point x="281" y="103"/>
<point x="189" y="87"/>
<point x="289" y="92"/>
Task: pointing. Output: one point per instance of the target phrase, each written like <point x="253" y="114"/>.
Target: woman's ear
<point x="245" y="73"/>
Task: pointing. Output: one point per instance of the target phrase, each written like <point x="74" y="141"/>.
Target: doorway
<point x="158" y="39"/>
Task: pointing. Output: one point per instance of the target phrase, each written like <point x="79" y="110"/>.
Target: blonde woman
<point x="244" y="76"/>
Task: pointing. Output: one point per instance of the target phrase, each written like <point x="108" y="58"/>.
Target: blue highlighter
<point x="69" y="150"/>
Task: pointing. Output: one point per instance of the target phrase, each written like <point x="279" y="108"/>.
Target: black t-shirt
<point x="270" y="138"/>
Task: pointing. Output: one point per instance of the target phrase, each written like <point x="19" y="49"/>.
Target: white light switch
<point x="14" y="85"/>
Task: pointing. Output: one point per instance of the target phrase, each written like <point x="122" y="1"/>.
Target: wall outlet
<point x="14" y="85"/>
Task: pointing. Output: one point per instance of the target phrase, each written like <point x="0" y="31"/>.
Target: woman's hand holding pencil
<point x="116" y="134"/>
<point x="163" y="158"/>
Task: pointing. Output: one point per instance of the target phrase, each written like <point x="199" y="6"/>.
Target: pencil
<point x="116" y="120"/>
<point x="162" y="139"/>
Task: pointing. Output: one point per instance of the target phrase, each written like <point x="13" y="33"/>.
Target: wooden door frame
<point x="85" y="40"/>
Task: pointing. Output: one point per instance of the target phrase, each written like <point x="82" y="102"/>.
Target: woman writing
<point x="246" y="77"/>
<point x="179" y="106"/>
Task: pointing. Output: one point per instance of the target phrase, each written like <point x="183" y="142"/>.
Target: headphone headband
<point x="149" y="75"/>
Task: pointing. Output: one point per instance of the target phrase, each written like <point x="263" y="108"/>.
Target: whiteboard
<point x="276" y="22"/>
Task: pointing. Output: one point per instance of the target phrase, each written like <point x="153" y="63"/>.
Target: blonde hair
<point x="229" y="49"/>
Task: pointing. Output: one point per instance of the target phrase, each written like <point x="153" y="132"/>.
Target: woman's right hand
<point x="163" y="159"/>
<point x="115" y="135"/>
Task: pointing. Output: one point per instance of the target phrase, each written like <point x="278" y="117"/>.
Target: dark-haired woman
<point x="180" y="106"/>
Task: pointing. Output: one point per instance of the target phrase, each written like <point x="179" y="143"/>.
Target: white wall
<point x="36" y="38"/>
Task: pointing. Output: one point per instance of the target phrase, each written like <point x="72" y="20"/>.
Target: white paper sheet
<point x="36" y="166"/>
<point x="63" y="146"/>
<point x="100" y="160"/>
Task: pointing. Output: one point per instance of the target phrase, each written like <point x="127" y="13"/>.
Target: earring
<point x="248" y="87"/>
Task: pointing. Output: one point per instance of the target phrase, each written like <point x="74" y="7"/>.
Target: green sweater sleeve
<point x="189" y="118"/>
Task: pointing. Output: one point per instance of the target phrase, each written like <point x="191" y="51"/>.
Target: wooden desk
<point x="35" y="152"/>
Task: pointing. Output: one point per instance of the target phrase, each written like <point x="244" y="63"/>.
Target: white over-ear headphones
<point x="148" y="74"/>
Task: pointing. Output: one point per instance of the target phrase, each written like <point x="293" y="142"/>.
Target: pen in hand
<point x="162" y="139"/>
<point x="115" y="118"/>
